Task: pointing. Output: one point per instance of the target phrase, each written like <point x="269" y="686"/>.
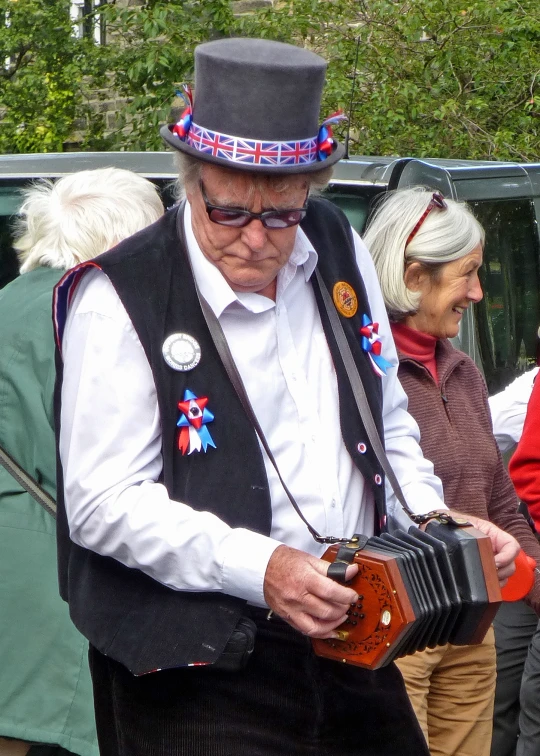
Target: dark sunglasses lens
<point x="229" y="218"/>
<point x="284" y="218"/>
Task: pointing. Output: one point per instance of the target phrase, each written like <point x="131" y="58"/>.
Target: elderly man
<point x="211" y="445"/>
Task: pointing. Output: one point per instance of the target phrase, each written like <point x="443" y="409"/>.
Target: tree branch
<point x="8" y="74"/>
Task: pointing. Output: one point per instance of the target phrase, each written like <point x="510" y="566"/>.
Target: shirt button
<point x="378" y="479"/>
<point x="362" y="448"/>
<point x="333" y="503"/>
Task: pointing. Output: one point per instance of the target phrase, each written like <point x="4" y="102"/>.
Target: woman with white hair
<point x="46" y="704"/>
<point x="427" y="251"/>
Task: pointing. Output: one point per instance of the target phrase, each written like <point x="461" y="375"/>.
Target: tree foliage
<point x="151" y="54"/>
<point x="444" y="78"/>
<point x="41" y="76"/>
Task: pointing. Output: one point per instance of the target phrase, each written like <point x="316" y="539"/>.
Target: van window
<point x="508" y="317"/>
<point x="10" y="200"/>
<point x="355" y="205"/>
<point x="9" y="204"/>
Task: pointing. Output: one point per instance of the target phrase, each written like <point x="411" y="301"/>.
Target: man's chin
<point x="250" y="284"/>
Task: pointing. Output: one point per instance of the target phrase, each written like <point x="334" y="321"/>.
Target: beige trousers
<point x="452" y="689"/>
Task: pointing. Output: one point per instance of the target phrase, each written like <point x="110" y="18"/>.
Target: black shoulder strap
<point x="27" y="482"/>
<point x="367" y="416"/>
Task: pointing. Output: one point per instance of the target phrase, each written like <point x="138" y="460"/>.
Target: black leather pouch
<point x="239" y="648"/>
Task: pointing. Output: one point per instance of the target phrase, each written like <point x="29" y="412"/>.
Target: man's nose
<point x="254" y="234"/>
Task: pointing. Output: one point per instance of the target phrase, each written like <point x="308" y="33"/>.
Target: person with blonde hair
<point x="46" y="704"/>
<point x="427" y="252"/>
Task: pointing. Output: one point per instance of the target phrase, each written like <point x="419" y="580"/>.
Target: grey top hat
<point x="256" y="108"/>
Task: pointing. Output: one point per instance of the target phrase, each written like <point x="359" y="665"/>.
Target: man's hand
<point x="297" y="589"/>
<point x="505" y="547"/>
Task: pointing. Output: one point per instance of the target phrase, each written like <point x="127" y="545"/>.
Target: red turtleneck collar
<point x="418" y="345"/>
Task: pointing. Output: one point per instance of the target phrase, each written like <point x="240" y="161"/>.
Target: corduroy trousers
<point x="286" y="701"/>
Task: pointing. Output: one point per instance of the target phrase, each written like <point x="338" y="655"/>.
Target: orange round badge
<point x="345" y="299"/>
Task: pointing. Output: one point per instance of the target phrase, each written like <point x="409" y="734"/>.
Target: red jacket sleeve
<point x="524" y="467"/>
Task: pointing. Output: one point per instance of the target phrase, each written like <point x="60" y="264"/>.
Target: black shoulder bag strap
<point x="365" y="410"/>
<point x="27" y="482"/>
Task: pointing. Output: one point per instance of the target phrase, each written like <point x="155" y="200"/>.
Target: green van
<point x="501" y="332"/>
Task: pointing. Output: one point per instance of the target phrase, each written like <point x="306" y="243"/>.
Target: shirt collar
<point x="217" y="291"/>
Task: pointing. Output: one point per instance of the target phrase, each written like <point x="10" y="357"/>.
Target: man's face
<point x="249" y="258"/>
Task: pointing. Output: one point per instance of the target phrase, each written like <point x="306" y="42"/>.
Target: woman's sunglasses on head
<point x="437" y="200"/>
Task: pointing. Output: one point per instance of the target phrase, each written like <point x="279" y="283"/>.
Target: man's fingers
<point x="326" y="611"/>
<point x="314" y="628"/>
<point x="297" y="588"/>
<point x="503" y="573"/>
<point x="506" y="555"/>
<point x="319" y="584"/>
<point x="505" y="547"/>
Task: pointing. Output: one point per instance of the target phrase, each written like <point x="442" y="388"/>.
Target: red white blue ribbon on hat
<point x="372" y="345"/>
<point x="254" y="151"/>
<point x="182" y="127"/>
<point x="194" y="416"/>
<point x="325" y="140"/>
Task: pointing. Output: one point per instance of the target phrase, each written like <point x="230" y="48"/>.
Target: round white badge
<point x="181" y="351"/>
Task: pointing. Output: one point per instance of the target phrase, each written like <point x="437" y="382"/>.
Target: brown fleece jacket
<point x="457" y="436"/>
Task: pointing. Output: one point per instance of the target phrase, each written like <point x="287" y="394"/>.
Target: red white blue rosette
<point x="372" y="345"/>
<point x="194" y="416"/>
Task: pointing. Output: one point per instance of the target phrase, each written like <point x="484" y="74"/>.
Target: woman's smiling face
<point x="445" y="297"/>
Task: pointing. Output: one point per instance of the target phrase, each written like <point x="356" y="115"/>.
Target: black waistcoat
<point x="123" y="612"/>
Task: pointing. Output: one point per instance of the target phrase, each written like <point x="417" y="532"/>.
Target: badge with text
<point x="181" y="352"/>
<point x="372" y="344"/>
<point x="345" y="299"/>
<point x="194" y="417"/>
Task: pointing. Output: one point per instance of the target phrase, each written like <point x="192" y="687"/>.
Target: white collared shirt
<point x="508" y="409"/>
<point x="110" y="441"/>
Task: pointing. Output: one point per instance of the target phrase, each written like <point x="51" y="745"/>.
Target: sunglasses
<point x="236" y="217"/>
<point x="437" y="200"/>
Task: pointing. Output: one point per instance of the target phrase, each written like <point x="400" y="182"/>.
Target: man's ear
<point x="415" y="277"/>
<point x="189" y="192"/>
